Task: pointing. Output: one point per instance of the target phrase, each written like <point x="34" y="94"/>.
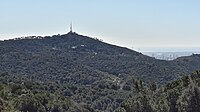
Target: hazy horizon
<point x="168" y="49"/>
<point x="130" y="23"/>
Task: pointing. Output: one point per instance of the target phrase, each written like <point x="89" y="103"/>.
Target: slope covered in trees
<point x="182" y="95"/>
<point x="69" y="55"/>
<point x="79" y="72"/>
<point x="18" y="93"/>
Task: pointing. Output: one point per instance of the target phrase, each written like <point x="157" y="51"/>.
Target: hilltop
<point x="65" y="54"/>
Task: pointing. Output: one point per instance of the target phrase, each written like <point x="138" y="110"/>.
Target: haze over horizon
<point x="130" y="23"/>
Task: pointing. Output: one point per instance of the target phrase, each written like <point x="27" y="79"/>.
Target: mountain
<point x="70" y="53"/>
<point x="87" y="70"/>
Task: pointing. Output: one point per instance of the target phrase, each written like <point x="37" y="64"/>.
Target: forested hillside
<point x="182" y="95"/>
<point x="78" y="73"/>
<point x="18" y="93"/>
<point x="66" y="56"/>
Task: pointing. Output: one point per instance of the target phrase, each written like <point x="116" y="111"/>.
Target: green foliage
<point x="189" y="101"/>
<point x="138" y="85"/>
<point x="186" y="81"/>
<point x="16" y="88"/>
<point x="33" y="97"/>
<point x="152" y="86"/>
<point x="75" y="73"/>
<point x="182" y="95"/>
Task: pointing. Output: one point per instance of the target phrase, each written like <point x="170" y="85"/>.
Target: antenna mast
<point x="71" y="27"/>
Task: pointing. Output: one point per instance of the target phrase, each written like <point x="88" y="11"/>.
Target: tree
<point x="189" y="101"/>
<point x="152" y="86"/>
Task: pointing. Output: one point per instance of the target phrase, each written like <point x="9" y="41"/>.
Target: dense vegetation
<point x="76" y="73"/>
<point x="182" y="95"/>
<point x="80" y="59"/>
<point x="20" y="94"/>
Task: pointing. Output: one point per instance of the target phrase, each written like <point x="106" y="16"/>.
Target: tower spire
<point x="71" y="27"/>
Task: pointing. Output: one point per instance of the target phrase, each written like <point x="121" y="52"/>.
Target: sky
<point x="128" y="23"/>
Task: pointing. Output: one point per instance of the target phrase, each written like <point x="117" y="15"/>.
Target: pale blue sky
<point x="129" y="23"/>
